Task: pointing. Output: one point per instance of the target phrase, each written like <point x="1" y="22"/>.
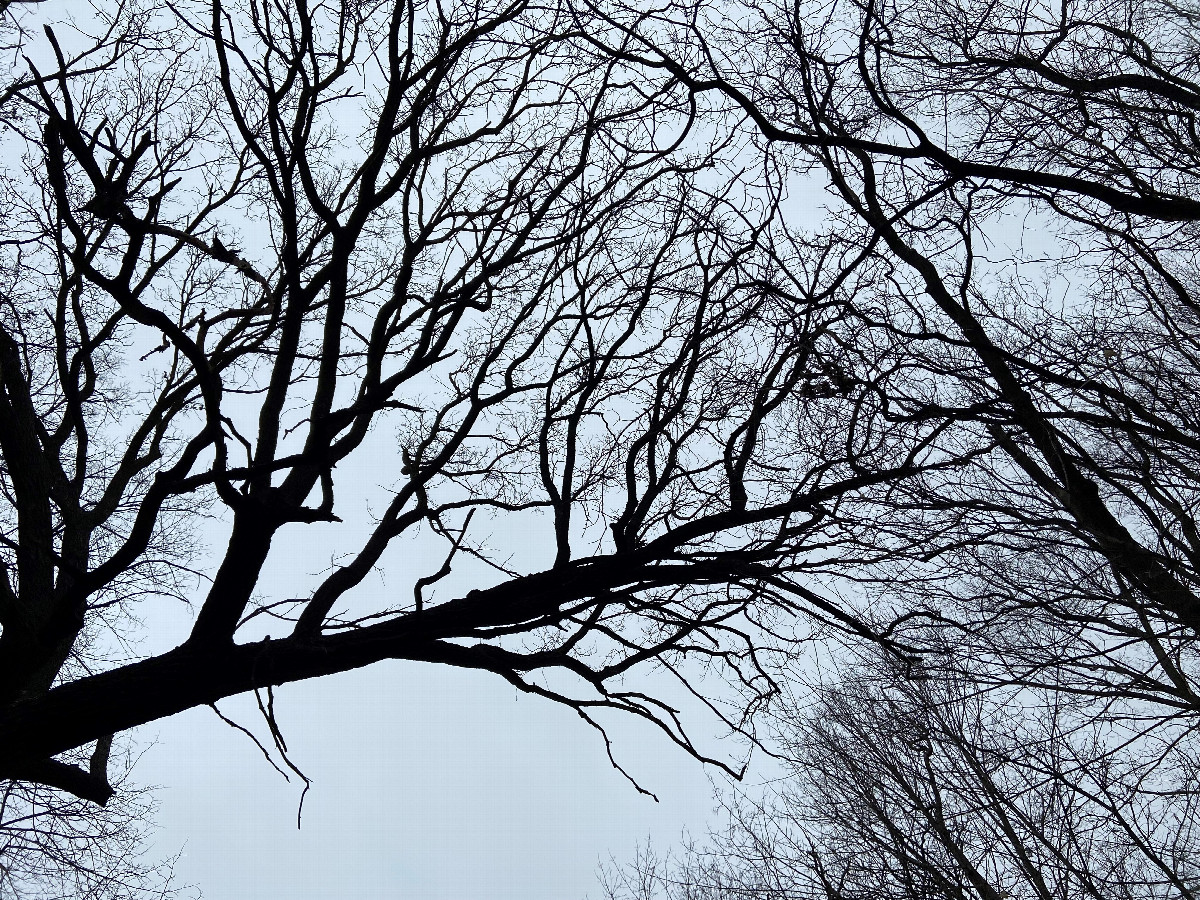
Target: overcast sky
<point x="428" y="782"/>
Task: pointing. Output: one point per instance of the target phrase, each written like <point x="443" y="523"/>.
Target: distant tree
<point x="902" y="788"/>
<point x="55" y="845"/>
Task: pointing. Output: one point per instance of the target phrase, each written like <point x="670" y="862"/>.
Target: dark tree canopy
<point x="856" y="320"/>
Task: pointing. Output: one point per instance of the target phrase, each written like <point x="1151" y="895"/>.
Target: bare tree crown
<point x="845" y="318"/>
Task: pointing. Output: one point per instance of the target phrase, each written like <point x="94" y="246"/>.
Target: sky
<point x="428" y="782"/>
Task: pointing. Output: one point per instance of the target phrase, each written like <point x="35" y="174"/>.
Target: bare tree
<point x="54" y="845"/>
<point x="261" y="235"/>
<point x="936" y="123"/>
<point x="1022" y="177"/>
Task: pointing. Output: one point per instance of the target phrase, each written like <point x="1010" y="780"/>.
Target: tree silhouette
<point x="1022" y="178"/>
<point x="902" y="788"/>
<point x="253" y="238"/>
<point x="555" y="252"/>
